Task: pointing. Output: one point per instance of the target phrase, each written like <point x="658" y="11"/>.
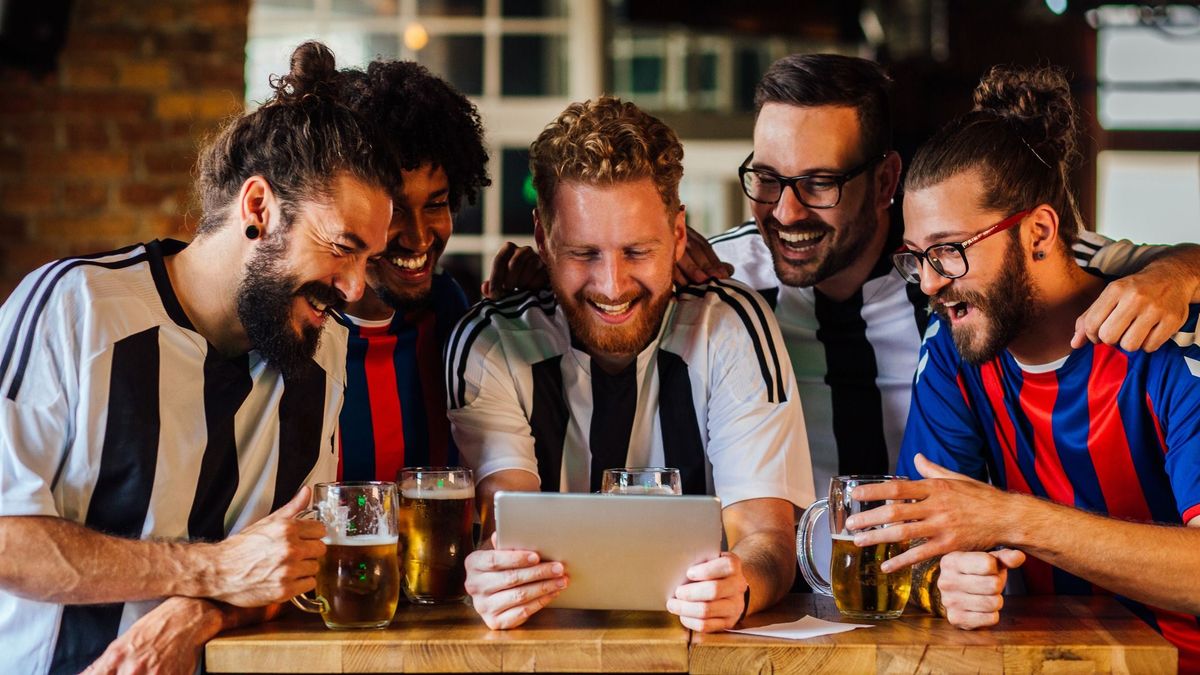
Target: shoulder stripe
<point x="758" y="333"/>
<point x="456" y="364"/>
<point x="744" y="230"/>
<point x="60" y="269"/>
<point x="450" y="350"/>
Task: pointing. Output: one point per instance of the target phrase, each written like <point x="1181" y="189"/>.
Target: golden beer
<point x="860" y="589"/>
<point x="436" y="527"/>
<point x="359" y="581"/>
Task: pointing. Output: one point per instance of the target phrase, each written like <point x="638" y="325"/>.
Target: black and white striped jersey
<point x="854" y="360"/>
<point x="713" y="395"/>
<point x="118" y="415"/>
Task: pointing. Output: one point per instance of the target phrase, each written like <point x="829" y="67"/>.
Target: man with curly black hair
<point x="395" y="411"/>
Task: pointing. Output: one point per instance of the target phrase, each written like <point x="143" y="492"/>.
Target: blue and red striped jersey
<point x="395" y="410"/>
<point x="1107" y="431"/>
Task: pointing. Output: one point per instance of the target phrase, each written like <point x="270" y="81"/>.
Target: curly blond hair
<point x="605" y="141"/>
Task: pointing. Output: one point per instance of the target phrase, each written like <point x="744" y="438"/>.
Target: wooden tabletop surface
<point x="1036" y="634"/>
<point x="1063" y="634"/>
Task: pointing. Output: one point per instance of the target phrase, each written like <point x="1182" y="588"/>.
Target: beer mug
<point x="358" y="580"/>
<point x="859" y="588"/>
<point x="638" y="480"/>
<point x="437" y="510"/>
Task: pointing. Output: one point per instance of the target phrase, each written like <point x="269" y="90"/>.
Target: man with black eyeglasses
<point x="821" y="183"/>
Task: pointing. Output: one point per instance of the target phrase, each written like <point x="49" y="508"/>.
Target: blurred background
<point x="103" y="103"/>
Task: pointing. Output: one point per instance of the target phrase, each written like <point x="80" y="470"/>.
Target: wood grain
<point x="452" y="638"/>
<point x="1035" y="635"/>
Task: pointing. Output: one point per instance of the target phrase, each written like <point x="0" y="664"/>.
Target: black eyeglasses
<point x="949" y="259"/>
<point x="816" y="191"/>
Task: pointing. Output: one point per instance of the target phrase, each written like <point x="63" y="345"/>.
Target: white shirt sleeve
<point x="757" y="443"/>
<point x="36" y="419"/>
<point x="1113" y="258"/>
<point x="491" y="429"/>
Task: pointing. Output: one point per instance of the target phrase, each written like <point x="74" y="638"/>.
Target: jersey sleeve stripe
<point x="40" y="306"/>
<point x="458" y="394"/>
<point x="774" y="390"/>
<point x="451" y="351"/>
<point x="767" y="334"/>
<point x="744" y="230"/>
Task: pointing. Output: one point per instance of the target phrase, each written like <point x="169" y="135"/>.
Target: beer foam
<point x="361" y="540"/>
<point x="412" y="490"/>
<point x="843" y="537"/>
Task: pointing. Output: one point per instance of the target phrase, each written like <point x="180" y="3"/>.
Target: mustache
<point x="809" y="224"/>
<point x="324" y="294"/>
<point x="605" y="300"/>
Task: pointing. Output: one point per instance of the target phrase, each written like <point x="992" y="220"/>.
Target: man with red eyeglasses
<point x="1092" y="453"/>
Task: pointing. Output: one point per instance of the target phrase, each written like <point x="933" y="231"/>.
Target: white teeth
<point x="414" y="263"/>
<point x="614" y="309"/>
<point x="799" y="237"/>
<point x="317" y="305"/>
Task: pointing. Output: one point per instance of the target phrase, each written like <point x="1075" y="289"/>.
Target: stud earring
<point x="252" y="231"/>
<point x="1039" y="255"/>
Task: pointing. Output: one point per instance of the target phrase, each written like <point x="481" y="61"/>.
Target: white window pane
<point x="1150" y="197"/>
<point x="1146" y="54"/>
<point x="1149" y="109"/>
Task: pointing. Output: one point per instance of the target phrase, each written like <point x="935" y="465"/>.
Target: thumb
<point x="297" y="504"/>
<point x="928" y="469"/>
<point x="1080" y="337"/>
<point x="1011" y="558"/>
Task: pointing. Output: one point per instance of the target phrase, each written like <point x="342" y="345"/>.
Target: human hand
<point x="699" y="262"/>
<point x="167" y="641"/>
<point x="515" y="268"/>
<point x="270" y="561"/>
<point x="507" y="587"/>
<point x="971" y="584"/>
<point x="952" y="512"/>
<point x="714" y="597"/>
<point x="1140" y="311"/>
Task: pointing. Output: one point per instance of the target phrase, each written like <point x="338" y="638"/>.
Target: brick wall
<point x="99" y="154"/>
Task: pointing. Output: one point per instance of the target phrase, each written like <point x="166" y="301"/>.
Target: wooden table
<point x="1049" y="635"/>
<point x="1082" y="634"/>
<point x="452" y="638"/>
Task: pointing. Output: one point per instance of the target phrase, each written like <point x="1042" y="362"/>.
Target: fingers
<point x="912" y="556"/>
<point x="699" y="262"/>
<point x="723" y="567"/>
<point x="971" y="620"/>
<point x="515" y="268"/>
<point x="1011" y="558"/>
<point x="707" y="616"/>
<point x="928" y="469"/>
<point x="491" y="583"/>
<point x="491" y="560"/>
<point x="518" y="614"/>
<point x="1090" y="321"/>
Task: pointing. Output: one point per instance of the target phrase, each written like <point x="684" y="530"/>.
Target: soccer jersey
<point x="118" y="415"/>
<point x="854" y="359"/>
<point x="395" y="411"/>
<point x="1104" y="430"/>
<point x="712" y="395"/>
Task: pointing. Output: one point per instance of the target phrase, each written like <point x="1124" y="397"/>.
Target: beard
<point x="1007" y="305"/>
<point x="626" y="338"/>
<point x="406" y="300"/>
<point x="264" y="306"/>
<point x="843" y="245"/>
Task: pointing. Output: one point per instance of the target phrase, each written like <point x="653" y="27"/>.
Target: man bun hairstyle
<point x="812" y="80"/>
<point x="426" y="121"/>
<point x="299" y="140"/>
<point x="602" y="142"/>
<point x="1022" y="135"/>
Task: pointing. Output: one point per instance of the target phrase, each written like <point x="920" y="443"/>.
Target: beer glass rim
<point x="433" y="469"/>
<point x="631" y="469"/>
<point x="354" y="484"/>
<point x="867" y="477"/>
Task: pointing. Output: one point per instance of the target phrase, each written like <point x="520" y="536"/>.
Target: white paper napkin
<point x="807" y="627"/>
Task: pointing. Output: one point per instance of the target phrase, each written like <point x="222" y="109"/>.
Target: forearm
<point x="1178" y="264"/>
<point x="1157" y="569"/>
<point x="768" y="565"/>
<point x="54" y="560"/>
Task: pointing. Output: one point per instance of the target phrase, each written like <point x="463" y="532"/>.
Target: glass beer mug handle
<point x="314" y="604"/>
<point x="804" y="547"/>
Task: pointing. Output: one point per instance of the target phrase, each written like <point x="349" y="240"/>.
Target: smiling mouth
<point x="956" y="310"/>
<point x="414" y="263"/>
<point x="800" y="240"/>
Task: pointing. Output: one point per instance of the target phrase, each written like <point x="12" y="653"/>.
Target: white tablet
<point x="619" y="551"/>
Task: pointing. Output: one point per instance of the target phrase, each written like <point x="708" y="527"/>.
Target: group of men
<point x="166" y="406"/>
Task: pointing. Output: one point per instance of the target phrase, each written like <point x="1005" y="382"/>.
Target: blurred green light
<point x="528" y="191"/>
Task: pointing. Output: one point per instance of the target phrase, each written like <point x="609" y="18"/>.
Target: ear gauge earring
<point x="252" y="231"/>
<point x="1039" y="255"/>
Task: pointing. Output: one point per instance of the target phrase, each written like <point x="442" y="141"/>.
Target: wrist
<point x="201" y="575"/>
<point x="1016" y="515"/>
